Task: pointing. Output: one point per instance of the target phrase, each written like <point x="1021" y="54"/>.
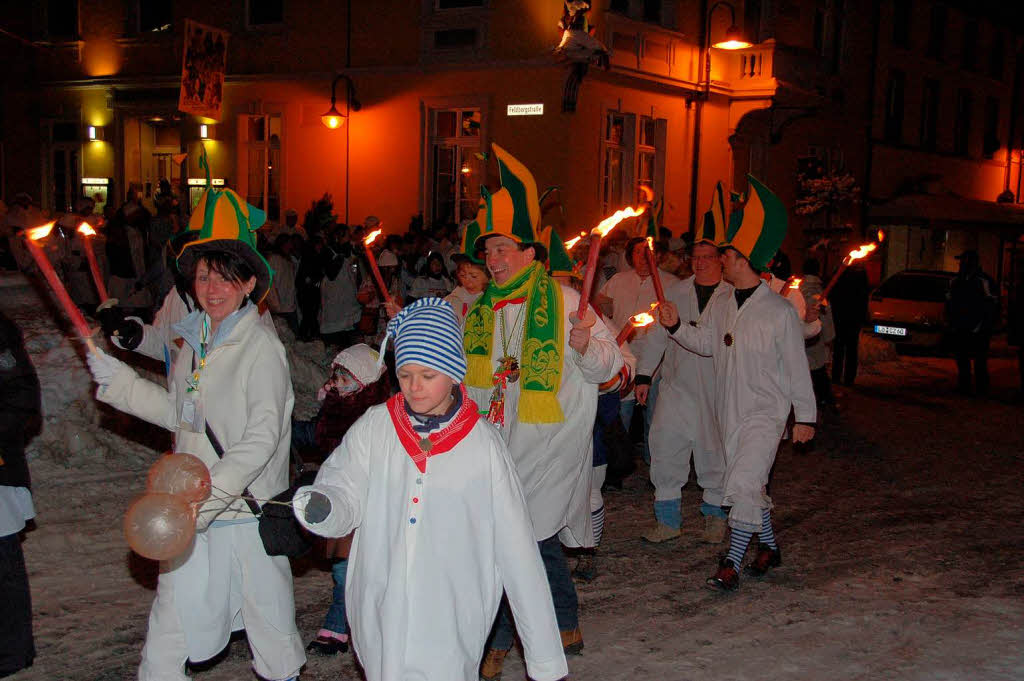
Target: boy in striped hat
<point x="440" y="519"/>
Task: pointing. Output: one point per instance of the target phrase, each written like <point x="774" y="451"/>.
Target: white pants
<point x="671" y="449"/>
<point x="226" y="582"/>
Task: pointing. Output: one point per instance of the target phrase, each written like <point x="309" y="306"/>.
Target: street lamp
<point x="733" y="40"/>
<point x="333" y="118"/>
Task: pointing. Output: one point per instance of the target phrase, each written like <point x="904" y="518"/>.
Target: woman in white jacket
<point x="229" y="382"/>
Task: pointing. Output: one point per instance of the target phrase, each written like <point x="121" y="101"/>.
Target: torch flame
<point x="42" y="232"/>
<point x="85" y="229"/>
<point x="573" y="241"/>
<point x="860" y="252"/>
<point x="648" y="193"/>
<point x="372" y="236"/>
<point x="609" y="223"/>
<point x="650" y="242"/>
<point x="795" y="284"/>
<point x="641" y="320"/>
<point x="881" y="236"/>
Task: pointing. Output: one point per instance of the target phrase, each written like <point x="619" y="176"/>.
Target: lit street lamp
<point x="333" y="118"/>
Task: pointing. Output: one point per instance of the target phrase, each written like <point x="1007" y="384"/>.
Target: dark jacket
<point x="20" y="410"/>
<point x="971" y="303"/>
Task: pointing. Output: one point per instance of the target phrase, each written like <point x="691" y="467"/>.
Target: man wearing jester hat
<point x="761" y="372"/>
<point x="536" y="371"/>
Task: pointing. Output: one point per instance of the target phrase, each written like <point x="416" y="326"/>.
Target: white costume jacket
<point x="432" y="552"/>
<point x="630" y="294"/>
<point x="761" y="371"/>
<point x="684" y="416"/>
<point x="554" y="460"/>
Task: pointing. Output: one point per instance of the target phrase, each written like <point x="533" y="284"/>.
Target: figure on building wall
<point x="579" y="47"/>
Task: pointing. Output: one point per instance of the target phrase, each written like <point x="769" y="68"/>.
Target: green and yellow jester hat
<point x="514" y="210"/>
<point x="759" y="234"/>
<point x="715" y="222"/>
<point x="560" y="263"/>
<point x="225" y="222"/>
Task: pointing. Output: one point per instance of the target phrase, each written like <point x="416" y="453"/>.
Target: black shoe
<point x="326" y="646"/>
<point x="766" y="558"/>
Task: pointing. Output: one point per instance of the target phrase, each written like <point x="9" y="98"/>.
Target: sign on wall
<point x="525" y="109"/>
<point x="202" y="70"/>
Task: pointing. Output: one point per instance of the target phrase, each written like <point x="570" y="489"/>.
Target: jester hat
<point x="759" y="234"/>
<point x="225" y="222"/>
<point x="514" y="210"/>
<point x="559" y="260"/>
<point x="715" y="226"/>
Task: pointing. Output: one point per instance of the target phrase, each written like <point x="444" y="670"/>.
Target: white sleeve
<point x="522" y="572"/>
<point x="343" y="479"/>
<point x="794" y="366"/>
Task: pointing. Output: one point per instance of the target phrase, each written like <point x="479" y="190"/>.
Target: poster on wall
<point x="202" y="70"/>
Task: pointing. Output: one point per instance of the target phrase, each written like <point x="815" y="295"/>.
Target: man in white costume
<point x="537" y="375"/>
<point x="684" y="420"/>
<point x="441" y="524"/>
<point x="756" y="341"/>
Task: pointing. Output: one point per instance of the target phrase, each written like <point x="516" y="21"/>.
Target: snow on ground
<point x="900" y="534"/>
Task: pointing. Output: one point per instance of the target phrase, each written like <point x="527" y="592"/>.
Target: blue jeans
<point x="563" y="593"/>
<point x="335" y="620"/>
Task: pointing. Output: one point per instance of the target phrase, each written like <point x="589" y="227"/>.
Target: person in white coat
<point x="229" y="385"/>
<point x="756" y="341"/>
<point x="440" y="519"/>
<point x="684" y="423"/>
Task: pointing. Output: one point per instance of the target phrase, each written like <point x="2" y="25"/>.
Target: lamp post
<point x="333" y="118"/>
<point x="733" y="41"/>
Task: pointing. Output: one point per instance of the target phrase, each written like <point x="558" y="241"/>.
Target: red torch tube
<point x="70" y="309"/>
<point x="588" y="276"/>
<point x="374" y="268"/>
<point x="85" y="231"/>
<point x="655" y="275"/>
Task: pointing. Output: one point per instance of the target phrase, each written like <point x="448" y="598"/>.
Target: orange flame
<point x="372" y="236"/>
<point x="650" y="242"/>
<point x="795" y="284"/>
<point x="641" y="319"/>
<point x="42" y="232"/>
<point x="648" y="193"/>
<point x="860" y="252"/>
<point x="85" y="229"/>
<point x="609" y="223"/>
<point x="573" y="241"/>
<point x="881" y="236"/>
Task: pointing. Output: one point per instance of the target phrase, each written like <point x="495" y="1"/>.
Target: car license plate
<point x="890" y="330"/>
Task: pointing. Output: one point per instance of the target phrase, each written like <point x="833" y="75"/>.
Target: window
<point x="650" y="156"/>
<point x="154" y="16"/>
<point x="455" y="168"/>
<point x="616" y="148"/>
<point x="929" y="114"/>
<point x="997" y="56"/>
<point x="962" y="125"/>
<point x="632" y="156"/>
<point x="990" y="143"/>
<point x="902" y="12"/>
<point x="60" y="19"/>
<point x="969" y="55"/>
<point x="263" y="12"/>
<point x="894" y="96"/>
<point x="937" y="31"/>
<point x="262" y="136"/>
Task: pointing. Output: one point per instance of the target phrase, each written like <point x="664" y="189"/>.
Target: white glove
<point x="102" y="366"/>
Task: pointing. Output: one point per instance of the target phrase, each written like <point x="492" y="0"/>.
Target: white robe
<point x="684" y="416"/>
<point x="555" y="460"/>
<point x="339" y="308"/>
<point x="432" y="553"/>
<point x="758" y="378"/>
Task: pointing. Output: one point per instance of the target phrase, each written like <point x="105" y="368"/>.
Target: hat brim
<point x="192" y="251"/>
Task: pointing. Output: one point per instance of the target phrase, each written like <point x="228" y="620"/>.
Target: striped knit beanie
<point x="427" y="333"/>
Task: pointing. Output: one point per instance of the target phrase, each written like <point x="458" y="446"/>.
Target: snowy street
<point x="900" y="536"/>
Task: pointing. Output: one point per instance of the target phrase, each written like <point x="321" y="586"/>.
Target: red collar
<point x="509" y="301"/>
<point x="441" y="441"/>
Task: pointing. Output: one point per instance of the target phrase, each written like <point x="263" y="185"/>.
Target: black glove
<point x="110" y="318"/>
<point x="317" y="508"/>
<point x="129" y="334"/>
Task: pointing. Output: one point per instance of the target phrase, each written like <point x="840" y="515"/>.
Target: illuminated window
<point x="261" y="135"/>
<point x="455" y="166"/>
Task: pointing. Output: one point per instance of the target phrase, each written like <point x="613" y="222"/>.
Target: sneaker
<point x="326" y="646"/>
<point x="660" y="533"/>
<point x="714" y="529"/>
<point x="727" y="578"/>
<point x="572" y="641"/>
<point x="494" y="661"/>
<point x="766" y="558"/>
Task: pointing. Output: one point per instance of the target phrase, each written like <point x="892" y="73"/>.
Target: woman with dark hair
<point x="229" y="402"/>
<point x="433" y="281"/>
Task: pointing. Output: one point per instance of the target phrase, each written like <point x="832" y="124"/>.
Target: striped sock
<point x="597" y="521"/>
<point x="767" y="534"/>
<point x="738" y="542"/>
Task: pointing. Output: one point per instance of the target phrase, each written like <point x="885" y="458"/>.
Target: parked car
<point x="910" y="307"/>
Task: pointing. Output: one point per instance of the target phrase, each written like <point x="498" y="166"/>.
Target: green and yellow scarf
<point x="540" y="365"/>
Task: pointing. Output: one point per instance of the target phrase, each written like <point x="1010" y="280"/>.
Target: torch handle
<point x="94" y="267"/>
<point x="377" y="275"/>
<point x="624" y="334"/>
<point x="70" y="309"/>
<point x="833" y="280"/>
<point x="588" y="276"/>
<point x="659" y="291"/>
